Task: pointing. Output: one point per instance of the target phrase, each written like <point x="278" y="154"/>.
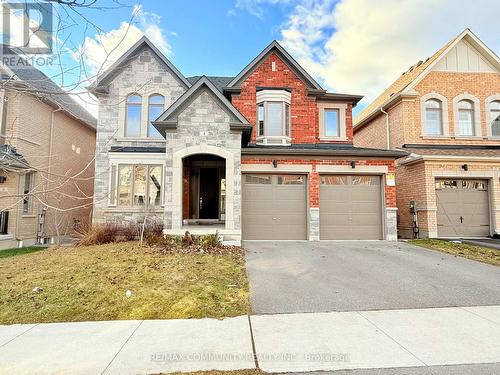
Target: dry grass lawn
<point x="90" y="283"/>
<point x="479" y="253"/>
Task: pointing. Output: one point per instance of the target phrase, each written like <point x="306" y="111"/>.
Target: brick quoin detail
<point x="303" y="109"/>
<point x="390" y="191"/>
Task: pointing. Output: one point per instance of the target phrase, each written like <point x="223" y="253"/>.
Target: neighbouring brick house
<point x="267" y="154"/>
<point x="47" y="146"/>
<point x="445" y="112"/>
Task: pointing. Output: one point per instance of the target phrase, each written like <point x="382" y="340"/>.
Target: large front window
<point x="139" y="185"/>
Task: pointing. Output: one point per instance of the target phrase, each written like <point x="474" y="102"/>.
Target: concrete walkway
<point x="280" y="343"/>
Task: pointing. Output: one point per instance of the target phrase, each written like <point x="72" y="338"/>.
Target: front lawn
<point x="90" y="283"/>
<point x="479" y="253"/>
<point x="20" y="251"/>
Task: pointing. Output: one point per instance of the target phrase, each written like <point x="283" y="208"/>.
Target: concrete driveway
<point x="288" y="277"/>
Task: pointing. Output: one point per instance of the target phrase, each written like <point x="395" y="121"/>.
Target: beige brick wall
<point x="374" y="134"/>
<point x="417" y="182"/>
<point x="73" y="145"/>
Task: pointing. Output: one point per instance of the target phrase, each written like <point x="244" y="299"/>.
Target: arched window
<point x="494" y="108"/>
<point x="156" y="105"/>
<point x="465" y="118"/>
<point x="433" y="117"/>
<point x="133" y="118"/>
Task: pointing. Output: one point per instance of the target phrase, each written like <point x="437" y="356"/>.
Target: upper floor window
<point x="494" y="109"/>
<point x="133" y="116"/>
<point x="465" y="118"/>
<point x="332" y="123"/>
<point x="156" y="106"/>
<point x="433" y="117"/>
<point x="273" y="116"/>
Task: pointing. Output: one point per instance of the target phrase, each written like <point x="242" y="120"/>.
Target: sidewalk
<point x="283" y="343"/>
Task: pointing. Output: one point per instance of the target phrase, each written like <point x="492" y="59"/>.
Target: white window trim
<point x="127" y="158"/>
<point x="264" y="97"/>
<point x="477" y="115"/>
<point x="444" y="115"/>
<point x="487" y="103"/>
<point x="342" y="108"/>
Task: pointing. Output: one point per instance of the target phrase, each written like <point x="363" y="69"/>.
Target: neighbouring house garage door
<point x="350" y="207"/>
<point x="462" y="208"/>
<point x="274" y="207"/>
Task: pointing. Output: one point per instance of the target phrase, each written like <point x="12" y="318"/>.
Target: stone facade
<point x="145" y="75"/>
<point x="202" y="128"/>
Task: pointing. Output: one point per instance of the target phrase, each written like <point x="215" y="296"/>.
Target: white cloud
<point x="361" y="46"/>
<point x="102" y="50"/>
<point x="256" y="7"/>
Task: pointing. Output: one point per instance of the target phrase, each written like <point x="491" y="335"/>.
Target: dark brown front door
<point x="209" y="193"/>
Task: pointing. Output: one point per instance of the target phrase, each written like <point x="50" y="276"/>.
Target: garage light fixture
<point x="353" y="164"/>
<point x="465" y="167"/>
<point x="275" y="163"/>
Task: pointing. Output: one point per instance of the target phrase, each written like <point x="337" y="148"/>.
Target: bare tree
<point x="58" y="191"/>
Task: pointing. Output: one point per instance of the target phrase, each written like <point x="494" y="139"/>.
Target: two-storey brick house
<point x="445" y="112"/>
<point x="267" y="154"/>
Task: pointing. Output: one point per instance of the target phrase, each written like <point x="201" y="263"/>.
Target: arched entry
<point x="203" y="189"/>
<point x="211" y="156"/>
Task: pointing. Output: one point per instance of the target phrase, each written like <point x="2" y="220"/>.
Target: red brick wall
<point x="304" y="110"/>
<point x="390" y="191"/>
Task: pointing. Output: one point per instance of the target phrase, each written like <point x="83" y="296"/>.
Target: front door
<point x="209" y="193"/>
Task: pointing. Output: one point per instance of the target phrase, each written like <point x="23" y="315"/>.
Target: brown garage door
<point x="350" y="207"/>
<point x="274" y="207"/>
<point x="462" y="208"/>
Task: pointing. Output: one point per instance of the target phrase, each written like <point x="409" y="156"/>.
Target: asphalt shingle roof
<point x="43" y="86"/>
<point x="218" y="82"/>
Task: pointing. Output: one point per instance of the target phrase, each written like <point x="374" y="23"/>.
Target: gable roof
<point x="130" y="54"/>
<point x="29" y="79"/>
<point x="274" y="46"/>
<point x="168" y="119"/>
<point x="405" y="84"/>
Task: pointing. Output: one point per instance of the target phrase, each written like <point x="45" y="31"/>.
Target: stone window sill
<point x="333" y="139"/>
<point x="132" y="139"/>
<point x="435" y="137"/>
<point x="4" y="237"/>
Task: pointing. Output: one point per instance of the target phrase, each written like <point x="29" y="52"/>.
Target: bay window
<point x="273" y="117"/>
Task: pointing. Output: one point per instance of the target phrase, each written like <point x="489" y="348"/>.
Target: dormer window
<point x="273" y="117"/>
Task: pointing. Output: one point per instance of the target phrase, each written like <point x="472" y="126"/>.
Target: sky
<point x="349" y="46"/>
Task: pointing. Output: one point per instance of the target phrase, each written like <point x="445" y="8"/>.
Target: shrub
<point x="154" y="227"/>
<point x="130" y="232"/>
<point x="99" y="234"/>
<point x="209" y="240"/>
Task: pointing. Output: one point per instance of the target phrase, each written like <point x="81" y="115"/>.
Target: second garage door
<point x="462" y="208"/>
<point x="274" y="207"/>
<point x="350" y="207"/>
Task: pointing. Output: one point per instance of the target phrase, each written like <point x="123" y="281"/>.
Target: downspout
<point x="386" y="127"/>
<point x="49" y="162"/>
